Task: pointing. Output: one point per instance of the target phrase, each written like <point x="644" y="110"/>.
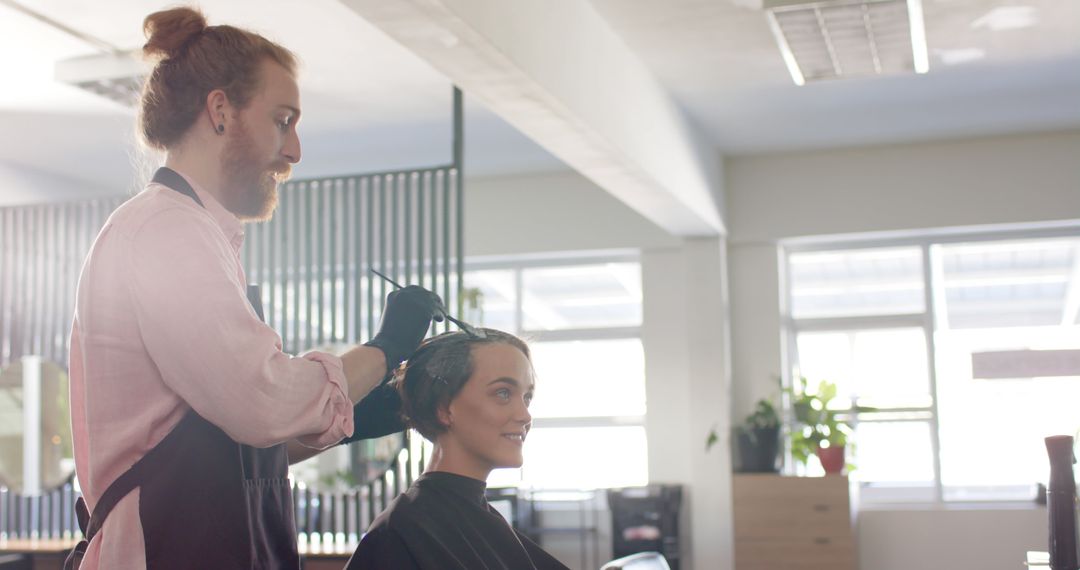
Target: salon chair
<point x="639" y="561"/>
<point x="15" y="562"/>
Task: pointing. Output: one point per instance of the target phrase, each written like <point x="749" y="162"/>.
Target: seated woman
<point x="469" y="395"/>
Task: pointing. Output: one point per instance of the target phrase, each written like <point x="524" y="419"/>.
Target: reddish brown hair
<point x="193" y="59"/>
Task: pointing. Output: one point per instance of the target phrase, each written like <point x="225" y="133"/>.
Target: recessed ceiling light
<point x="959" y="56"/>
<point x="844" y="38"/>
<point x="1007" y="18"/>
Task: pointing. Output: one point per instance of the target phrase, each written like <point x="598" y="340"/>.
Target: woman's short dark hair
<point x="437" y="371"/>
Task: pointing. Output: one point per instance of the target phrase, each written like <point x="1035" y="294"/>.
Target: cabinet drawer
<point x="769" y="506"/>
<point x="807" y="553"/>
<point x="777" y="489"/>
<point x="785" y="523"/>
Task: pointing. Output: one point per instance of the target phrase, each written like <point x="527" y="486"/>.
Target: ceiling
<point x="368" y="103"/>
<point x="721" y="62"/>
<point x="996" y="67"/>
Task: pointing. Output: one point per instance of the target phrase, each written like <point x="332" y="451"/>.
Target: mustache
<point x="281" y="172"/>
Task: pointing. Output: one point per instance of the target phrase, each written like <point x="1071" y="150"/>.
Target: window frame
<point x="518" y="265"/>
<point x="932" y="271"/>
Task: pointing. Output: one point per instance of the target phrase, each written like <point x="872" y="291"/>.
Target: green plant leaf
<point x="711" y="439"/>
<point x="826" y="392"/>
<point x="815" y="424"/>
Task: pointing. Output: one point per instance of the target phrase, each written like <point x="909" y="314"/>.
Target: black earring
<point x="220" y="129"/>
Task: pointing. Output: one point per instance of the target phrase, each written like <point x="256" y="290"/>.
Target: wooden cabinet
<point x="793" y="523"/>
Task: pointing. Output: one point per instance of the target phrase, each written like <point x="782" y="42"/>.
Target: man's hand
<point x="405" y="322"/>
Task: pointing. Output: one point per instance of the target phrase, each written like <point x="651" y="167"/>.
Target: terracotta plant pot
<point x="832" y="459"/>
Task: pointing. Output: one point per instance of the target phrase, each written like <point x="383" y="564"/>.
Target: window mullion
<point x="589" y="421"/>
<point x="867" y="322"/>
<point x="931" y="276"/>
<point x="788" y="349"/>
<point x="569" y="335"/>
<point x="519" y="302"/>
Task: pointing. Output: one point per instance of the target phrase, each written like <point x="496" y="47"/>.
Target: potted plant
<point x="757" y="440"/>
<point x="817" y="429"/>
<point x="471" y="305"/>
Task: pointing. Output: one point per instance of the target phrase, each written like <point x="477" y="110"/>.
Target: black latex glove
<point x="378" y="414"/>
<point x="405" y="322"/>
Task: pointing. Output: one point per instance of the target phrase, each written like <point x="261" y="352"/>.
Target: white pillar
<point x="755" y="287"/>
<point x="688" y="391"/>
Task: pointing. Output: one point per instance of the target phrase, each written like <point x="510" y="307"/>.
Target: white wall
<point x="949" y="539"/>
<point x="556" y="211"/>
<point x="981" y="181"/>
<point x="755" y="322"/>
<point x="1031" y="178"/>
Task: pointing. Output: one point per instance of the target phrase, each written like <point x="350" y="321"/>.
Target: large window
<point x="967" y="346"/>
<point x="582" y="318"/>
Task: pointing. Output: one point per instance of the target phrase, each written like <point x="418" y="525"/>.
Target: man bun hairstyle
<point x="434" y="375"/>
<point x="169" y="30"/>
<point x="191" y="60"/>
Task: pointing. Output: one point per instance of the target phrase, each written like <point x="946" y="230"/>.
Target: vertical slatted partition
<point x="314" y="257"/>
<point x="42" y="248"/>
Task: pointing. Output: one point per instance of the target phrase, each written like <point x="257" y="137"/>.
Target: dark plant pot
<point x="832" y="459"/>
<point x="759" y="450"/>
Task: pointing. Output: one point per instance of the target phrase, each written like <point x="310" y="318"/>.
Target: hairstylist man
<point x="172" y="371"/>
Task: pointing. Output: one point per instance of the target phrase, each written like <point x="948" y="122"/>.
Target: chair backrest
<point x="639" y="561"/>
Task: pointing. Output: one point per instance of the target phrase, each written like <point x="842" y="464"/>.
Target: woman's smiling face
<point x="488" y="420"/>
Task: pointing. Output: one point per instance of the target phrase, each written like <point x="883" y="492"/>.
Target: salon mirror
<point x="348" y="466"/>
<point x="35" y="426"/>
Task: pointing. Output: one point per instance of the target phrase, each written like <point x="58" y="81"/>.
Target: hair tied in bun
<point x="168" y="31"/>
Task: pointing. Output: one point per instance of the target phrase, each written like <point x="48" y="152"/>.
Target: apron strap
<point x="171" y="179"/>
<point x="119" y="489"/>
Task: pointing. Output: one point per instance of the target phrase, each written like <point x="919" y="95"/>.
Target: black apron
<point x="205" y="501"/>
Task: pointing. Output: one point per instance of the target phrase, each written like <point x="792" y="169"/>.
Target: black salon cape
<point x="443" y="522"/>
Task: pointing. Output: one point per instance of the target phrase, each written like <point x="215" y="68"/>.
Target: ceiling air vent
<point x="117" y="76"/>
<point x="848" y="38"/>
<point x="111" y="73"/>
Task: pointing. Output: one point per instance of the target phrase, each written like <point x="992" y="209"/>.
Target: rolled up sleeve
<point x="341" y="407"/>
<point x="213" y="351"/>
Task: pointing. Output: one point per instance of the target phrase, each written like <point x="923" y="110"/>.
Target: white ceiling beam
<point x="556" y="71"/>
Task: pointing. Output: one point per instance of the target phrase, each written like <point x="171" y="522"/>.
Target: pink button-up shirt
<point x="162" y="325"/>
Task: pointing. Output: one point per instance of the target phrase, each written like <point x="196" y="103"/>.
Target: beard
<point x="251" y="185"/>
